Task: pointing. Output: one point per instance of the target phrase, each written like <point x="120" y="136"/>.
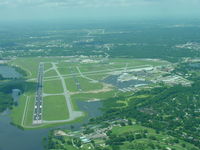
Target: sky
<point x="97" y="9"/>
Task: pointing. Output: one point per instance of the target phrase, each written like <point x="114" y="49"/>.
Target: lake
<point x="13" y="138"/>
<point x="9" y="72"/>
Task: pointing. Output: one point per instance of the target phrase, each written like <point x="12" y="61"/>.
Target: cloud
<point x="93" y="3"/>
<point x="97" y="8"/>
<point x="73" y="3"/>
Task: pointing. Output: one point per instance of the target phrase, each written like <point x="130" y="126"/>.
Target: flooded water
<point x="16" y="94"/>
<point x="13" y="138"/>
<point x="195" y="65"/>
<point x="9" y="72"/>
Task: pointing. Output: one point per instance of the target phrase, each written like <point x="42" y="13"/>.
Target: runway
<point x="37" y="116"/>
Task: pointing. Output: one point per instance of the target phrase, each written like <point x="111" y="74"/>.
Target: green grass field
<point x="64" y="71"/>
<point x="17" y="111"/>
<point x="23" y="114"/>
<point x="50" y="73"/>
<point x="85" y="84"/>
<point x="144" y="139"/>
<point x="30" y="65"/>
<point x="70" y="83"/>
<point x="28" y="121"/>
<point x="55" y="108"/>
<point x="52" y="87"/>
<point x="92" y="96"/>
<point x="88" y="85"/>
<point x="47" y="66"/>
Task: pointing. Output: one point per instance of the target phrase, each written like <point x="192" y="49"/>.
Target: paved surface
<point x="25" y="110"/>
<point x="78" y="86"/>
<point x="83" y="76"/>
<point x="37" y="116"/>
<point x="72" y="114"/>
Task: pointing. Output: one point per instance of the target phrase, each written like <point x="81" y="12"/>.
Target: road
<point x="83" y="76"/>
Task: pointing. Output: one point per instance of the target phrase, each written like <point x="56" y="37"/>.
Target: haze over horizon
<point x="96" y="9"/>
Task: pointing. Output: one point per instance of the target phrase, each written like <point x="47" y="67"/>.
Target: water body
<point x="12" y="138"/>
<point x="195" y="65"/>
<point x="15" y="94"/>
<point x="9" y="72"/>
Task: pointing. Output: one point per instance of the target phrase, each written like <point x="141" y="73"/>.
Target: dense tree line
<point x="6" y="88"/>
<point x="174" y="110"/>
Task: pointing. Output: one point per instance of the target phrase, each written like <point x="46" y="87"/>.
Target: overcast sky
<point x="95" y="9"/>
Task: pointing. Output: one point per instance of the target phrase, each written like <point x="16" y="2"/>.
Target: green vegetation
<point x="122" y="136"/>
<point x="85" y="84"/>
<point x="88" y="85"/>
<point x="64" y="70"/>
<point x="93" y="96"/>
<point x="47" y="66"/>
<point x="6" y="87"/>
<point x="5" y="101"/>
<point x="52" y="87"/>
<point x="28" y="118"/>
<point x="166" y="109"/>
<point x="30" y="65"/>
<point x="55" y="108"/>
<point x="165" y="116"/>
<point x="71" y="85"/>
<point x="17" y="112"/>
<point x="50" y="73"/>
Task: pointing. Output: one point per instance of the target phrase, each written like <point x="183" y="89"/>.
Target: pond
<point x="9" y="72"/>
<point x="195" y="65"/>
<point x="13" y="138"/>
<point x="15" y="94"/>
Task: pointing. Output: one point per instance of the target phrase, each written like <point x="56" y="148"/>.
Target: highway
<point x="37" y="115"/>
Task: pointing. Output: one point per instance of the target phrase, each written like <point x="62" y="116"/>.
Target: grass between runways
<point x="55" y="108"/>
<point x="85" y="84"/>
<point x="22" y="114"/>
<point x="53" y="87"/>
<point x="88" y="85"/>
<point x="50" y="73"/>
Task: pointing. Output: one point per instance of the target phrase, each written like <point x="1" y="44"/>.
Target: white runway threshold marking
<point x="25" y="110"/>
<point x="37" y="115"/>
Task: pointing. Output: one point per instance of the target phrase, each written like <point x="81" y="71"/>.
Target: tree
<point x="130" y="122"/>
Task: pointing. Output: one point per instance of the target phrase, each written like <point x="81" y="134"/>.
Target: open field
<point x="55" y="108"/>
<point x="88" y="85"/>
<point x="47" y="66"/>
<point x="52" y="87"/>
<point x="28" y="116"/>
<point x="18" y="111"/>
<point x="71" y="85"/>
<point x="67" y="80"/>
<point x="94" y="96"/>
<point x="50" y="73"/>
